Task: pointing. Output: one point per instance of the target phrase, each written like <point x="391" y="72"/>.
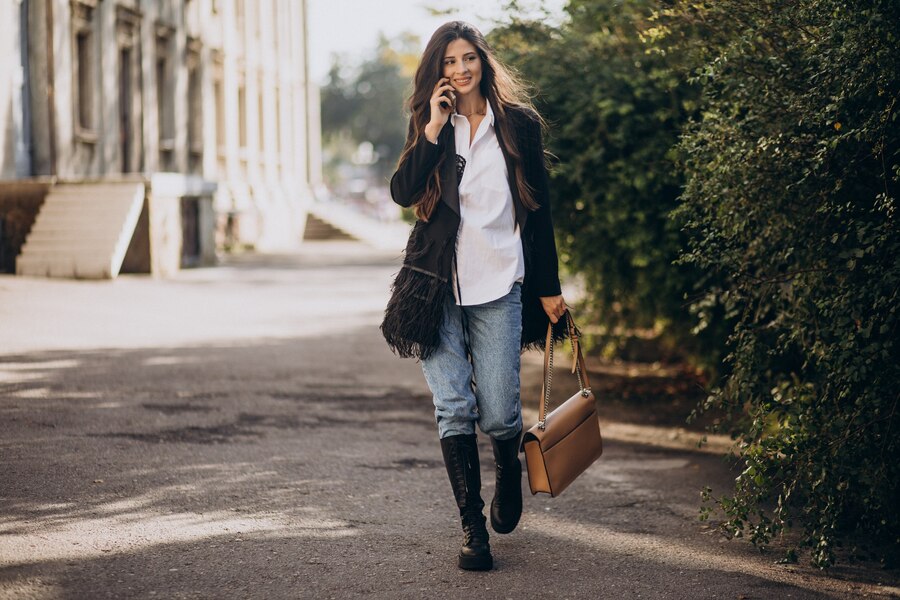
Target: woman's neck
<point x="471" y="103"/>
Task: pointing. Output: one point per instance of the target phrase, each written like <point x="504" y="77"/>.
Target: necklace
<point x="483" y="111"/>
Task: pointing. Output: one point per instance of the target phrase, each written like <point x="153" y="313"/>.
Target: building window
<point x="276" y="26"/>
<point x="83" y="59"/>
<point x="219" y="95"/>
<point x="195" y="106"/>
<point x="239" y="15"/>
<point x="242" y="116"/>
<point x="262" y="121"/>
<point x="287" y="125"/>
<point x="257" y="20"/>
<point x="278" y="147"/>
<point x="218" y="100"/>
<point x="127" y="37"/>
<point x="165" y="97"/>
<point x="83" y="41"/>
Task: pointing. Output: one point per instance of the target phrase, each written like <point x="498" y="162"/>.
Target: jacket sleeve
<point x="545" y="264"/>
<point x="408" y="181"/>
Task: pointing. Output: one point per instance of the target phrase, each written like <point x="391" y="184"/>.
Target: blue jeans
<point x="484" y="390"/>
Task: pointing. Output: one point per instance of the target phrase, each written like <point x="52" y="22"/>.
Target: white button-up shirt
<point x="489" y="256"/>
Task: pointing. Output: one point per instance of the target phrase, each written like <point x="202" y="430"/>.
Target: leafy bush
<point x="790" y="203"/>
<point x="748" y="150"/>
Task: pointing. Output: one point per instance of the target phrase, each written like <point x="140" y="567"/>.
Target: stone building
<point x="142" y="135"/>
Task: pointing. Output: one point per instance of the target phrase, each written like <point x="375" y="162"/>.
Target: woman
<point x="479" y="279"/>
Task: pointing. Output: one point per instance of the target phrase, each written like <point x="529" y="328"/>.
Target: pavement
<point x="243" y="431"/>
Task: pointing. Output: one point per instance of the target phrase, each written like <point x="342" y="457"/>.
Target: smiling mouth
<point x="464" y="81"/>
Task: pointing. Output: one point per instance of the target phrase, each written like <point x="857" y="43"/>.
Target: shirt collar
<point x="489" y="115"/>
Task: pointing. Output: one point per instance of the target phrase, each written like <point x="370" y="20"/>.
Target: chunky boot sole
<point x="476" y="563"/>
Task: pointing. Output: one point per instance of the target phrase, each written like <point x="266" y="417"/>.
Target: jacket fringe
<point x="414" y="315"/>
<point x="534" y="338"/>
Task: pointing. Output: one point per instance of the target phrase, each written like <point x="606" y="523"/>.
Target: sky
<point x="351" y="27"/>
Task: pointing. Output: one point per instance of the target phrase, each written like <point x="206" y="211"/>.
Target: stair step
<point x="79" y="219"/>
<point x="71" y="235"/>
<point x="88" y="252"/>
<point x="67" y="246"/>
<point x="74" y="231"/>
<point x="82" y="230"/>
<point x="64" y="250"/>
<point x="93" y="204"/>
<point x="94" y="188"/>
<point x="64" y="267"/>
<point x="317" y="229"/>
<point x="83" y="223"/>
<point x="55" y="204"/>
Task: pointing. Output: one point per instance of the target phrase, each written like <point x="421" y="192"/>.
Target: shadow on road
<point x="309" y="467"/>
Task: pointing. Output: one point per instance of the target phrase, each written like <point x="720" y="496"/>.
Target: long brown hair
<point x="499" y="85"/>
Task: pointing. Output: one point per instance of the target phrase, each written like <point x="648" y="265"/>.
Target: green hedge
<point x="729" y="170"/>
<point x="790" y="201"/>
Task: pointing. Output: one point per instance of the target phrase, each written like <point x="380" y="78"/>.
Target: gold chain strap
<point x="548" y="374"/>
<point x="548" y="380"/>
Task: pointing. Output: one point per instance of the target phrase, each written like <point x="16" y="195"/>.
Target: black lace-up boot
<point x="461" y="459"/>
<point x="506" y="507"/>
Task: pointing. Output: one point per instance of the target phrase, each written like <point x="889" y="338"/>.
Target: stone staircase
<point x="319" y="230"/>
<point x="82" y="230"/>
<point x="332" y="220"/>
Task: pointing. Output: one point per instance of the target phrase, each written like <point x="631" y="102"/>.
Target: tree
<point x="365" y="103"/>
<point x="615" y="113"/>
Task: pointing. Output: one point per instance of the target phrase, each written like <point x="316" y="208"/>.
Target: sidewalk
<point x="244" y="432"/>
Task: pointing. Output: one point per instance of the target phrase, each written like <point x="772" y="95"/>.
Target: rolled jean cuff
<point x="506" y="436"/>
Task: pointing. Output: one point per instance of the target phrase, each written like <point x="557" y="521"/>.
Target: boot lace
<point x="474" y="529"/>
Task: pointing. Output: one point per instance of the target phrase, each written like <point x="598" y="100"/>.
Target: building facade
<point x="195" y="117"/>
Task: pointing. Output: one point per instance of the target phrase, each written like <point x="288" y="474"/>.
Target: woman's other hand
<point x="441" y="107"/>
<point x="554" y="306"/>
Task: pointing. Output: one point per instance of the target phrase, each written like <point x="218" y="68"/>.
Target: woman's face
<point x="462" y="66"/>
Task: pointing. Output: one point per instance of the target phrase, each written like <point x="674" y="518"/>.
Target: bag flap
<point x="564" y="418"/>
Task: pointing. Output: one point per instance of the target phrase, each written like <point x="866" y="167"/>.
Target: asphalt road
<point x="243" y="432"/>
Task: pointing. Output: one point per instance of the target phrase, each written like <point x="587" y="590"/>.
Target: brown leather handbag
<point x="563" y="444"/>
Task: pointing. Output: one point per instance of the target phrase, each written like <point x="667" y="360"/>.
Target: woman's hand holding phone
<point x="443" y="100"/>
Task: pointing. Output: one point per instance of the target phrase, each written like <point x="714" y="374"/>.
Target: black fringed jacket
<point x="414" y="312"/>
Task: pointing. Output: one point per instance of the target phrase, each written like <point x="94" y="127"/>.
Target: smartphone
<point x="451" y="96"/>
